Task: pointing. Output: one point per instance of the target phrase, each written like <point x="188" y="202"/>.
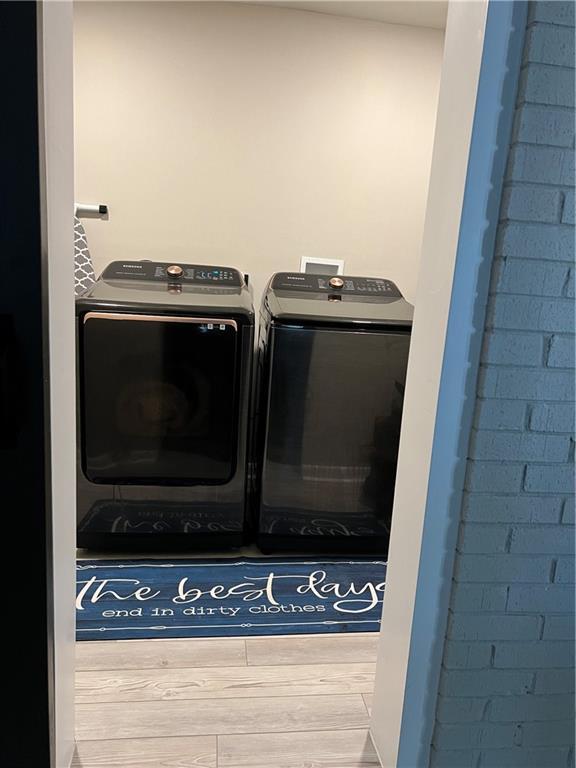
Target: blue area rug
<point x="127" y="599"/>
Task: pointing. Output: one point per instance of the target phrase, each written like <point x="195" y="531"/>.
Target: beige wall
<point x="231" y="134"/>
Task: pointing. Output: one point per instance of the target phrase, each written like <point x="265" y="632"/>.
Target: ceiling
<point x="416" y="13"/>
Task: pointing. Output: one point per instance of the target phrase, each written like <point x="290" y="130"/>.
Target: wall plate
<point x="321" y="266"/>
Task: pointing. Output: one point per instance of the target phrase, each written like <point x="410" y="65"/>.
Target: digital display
<point x="213" y="274"/>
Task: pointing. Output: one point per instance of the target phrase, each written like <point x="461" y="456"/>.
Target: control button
<point x="175" y="271"/>
<point x="336" y="282"/>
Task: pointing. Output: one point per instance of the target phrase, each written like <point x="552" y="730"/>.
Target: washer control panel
<point x="335" y="284"/>
<point x="165" y="272"/>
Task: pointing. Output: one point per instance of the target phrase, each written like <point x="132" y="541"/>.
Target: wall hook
<point x="89" y="211"/>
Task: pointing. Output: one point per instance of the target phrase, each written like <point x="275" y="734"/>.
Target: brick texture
<point x="506" y="688"/>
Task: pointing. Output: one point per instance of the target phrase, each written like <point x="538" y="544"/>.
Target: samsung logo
<point x="131" y="266"/>
<point x="294" y="277"/>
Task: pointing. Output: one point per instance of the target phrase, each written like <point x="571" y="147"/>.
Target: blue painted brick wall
<point x="506" y="689"/>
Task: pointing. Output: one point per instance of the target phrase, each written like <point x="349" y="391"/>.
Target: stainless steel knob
<point x="175" y="271"/>
<point x="336" y="282"/>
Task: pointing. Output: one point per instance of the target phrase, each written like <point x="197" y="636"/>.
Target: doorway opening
<point x="281" y="151"/>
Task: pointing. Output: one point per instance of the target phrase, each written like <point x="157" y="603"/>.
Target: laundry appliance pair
<point x="190" y="438"/>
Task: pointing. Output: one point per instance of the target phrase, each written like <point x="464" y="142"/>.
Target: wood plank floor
<point x="266" y="702"/>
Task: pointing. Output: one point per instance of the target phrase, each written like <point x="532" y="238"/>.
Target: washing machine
<point x="164" y="367"/>
<point x="332" y="358"/>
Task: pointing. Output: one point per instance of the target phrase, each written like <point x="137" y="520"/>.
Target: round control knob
<point x="175" y="271"/>
<point x="336" y="282"/>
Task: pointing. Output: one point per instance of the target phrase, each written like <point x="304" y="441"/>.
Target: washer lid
<point x="336" y="299"/>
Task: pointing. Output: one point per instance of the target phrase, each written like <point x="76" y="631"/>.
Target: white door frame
<point x="55" y="64"/>
<point x="479" y="75"/>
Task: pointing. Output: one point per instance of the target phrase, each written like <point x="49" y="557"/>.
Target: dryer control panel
<point x="166" y="272"/>
<point x="335" y="284"/>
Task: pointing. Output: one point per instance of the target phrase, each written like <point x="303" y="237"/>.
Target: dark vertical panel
<point x="24" y="506"/>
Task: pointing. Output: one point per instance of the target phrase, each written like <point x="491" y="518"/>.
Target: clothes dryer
<point x="164" y="367"/>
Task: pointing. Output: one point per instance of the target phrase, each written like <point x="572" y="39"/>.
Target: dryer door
<point x="159" y="399"/>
